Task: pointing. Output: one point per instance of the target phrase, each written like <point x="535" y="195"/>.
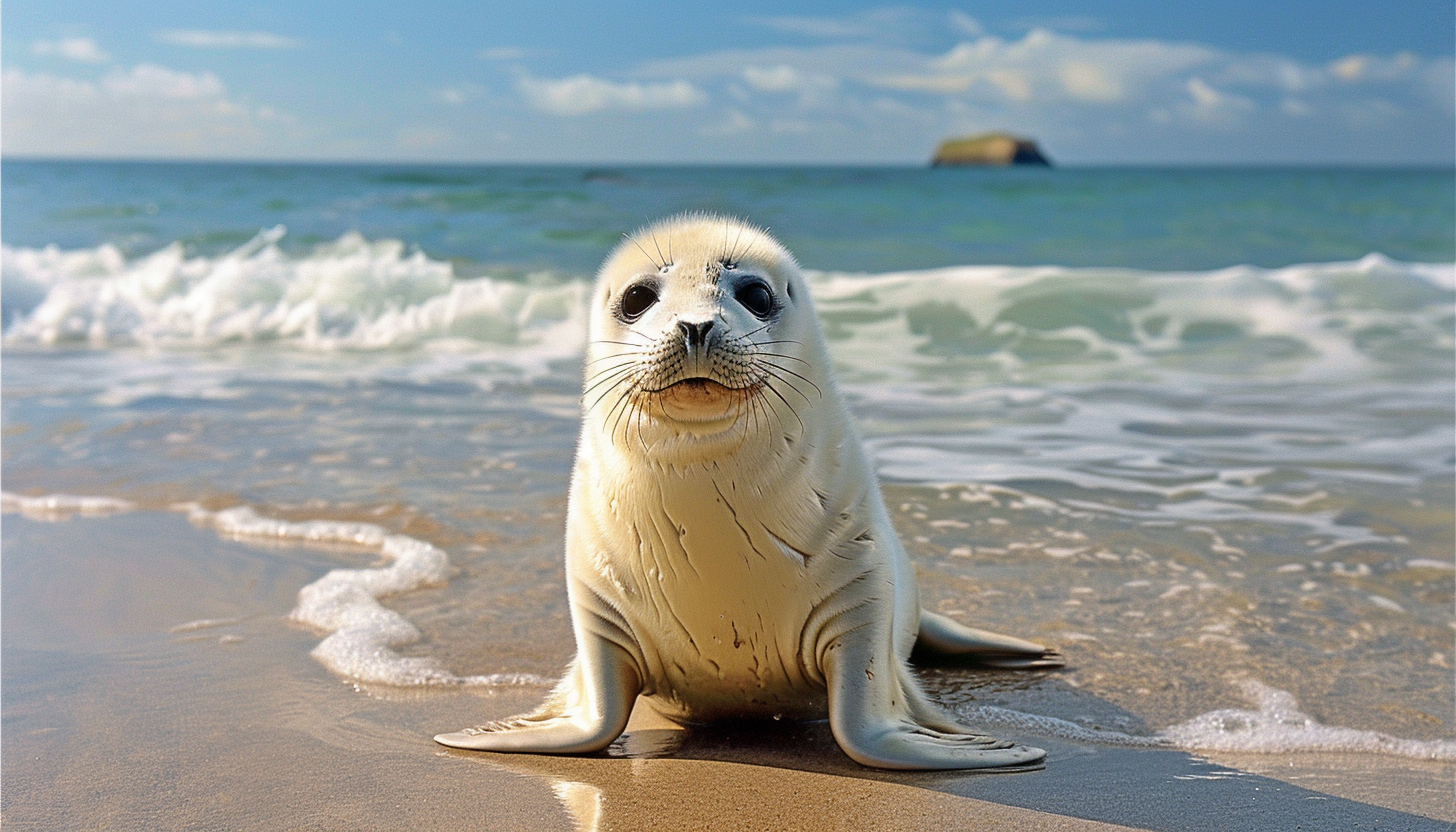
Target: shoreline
<point x="179" y="707"/>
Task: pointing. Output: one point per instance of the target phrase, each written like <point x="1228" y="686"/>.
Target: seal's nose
<point x="696" y="332"/>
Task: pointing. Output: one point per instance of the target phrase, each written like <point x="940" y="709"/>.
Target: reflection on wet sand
<point x="767" y="776"/>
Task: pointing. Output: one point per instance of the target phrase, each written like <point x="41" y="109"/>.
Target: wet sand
<point x="115" y="718"/>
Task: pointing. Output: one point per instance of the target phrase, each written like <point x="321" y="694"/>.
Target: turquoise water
<point x="1194" y="426"/>
<point x="850" y="219"/>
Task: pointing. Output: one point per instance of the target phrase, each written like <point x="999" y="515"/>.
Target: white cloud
<point x="1089" y="82"/>
<point x="1213" y="106"/>
<point x="147" y="111"/>
<point x="1140" y="99"/>
<point x="84" y="50"/>
<point x="583" y="94"/>
<point x="1047" y="67"/>
<point x="815" y="90"/>
<point x="1357" y="68"/>
<point x="778" y="78"/>
<point x="152" y="81"/>
<point x="934" y="84"/>
<point x="204" y="39"/>
<point x="965" y="25"/>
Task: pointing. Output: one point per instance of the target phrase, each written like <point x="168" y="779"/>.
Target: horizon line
<point x="265" y="161"/>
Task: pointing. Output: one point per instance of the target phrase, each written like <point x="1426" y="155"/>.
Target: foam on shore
<point x="62" y="506"/>
<point x="345" y="603"/>
<point x="362" y="634"/>
<point x="1276" y="726"/>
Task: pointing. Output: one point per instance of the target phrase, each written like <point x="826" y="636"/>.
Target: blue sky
<point x="788" y="82"/>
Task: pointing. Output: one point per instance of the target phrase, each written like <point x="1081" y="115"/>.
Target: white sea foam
<point x="205" y="624"/>
<point x="1431" y="563"/>
<point x="1277" y="726"/>
<point x="1331" y="318"/>
<point x="361" y="295"/>
<point x="62" y="506"/>
<point x="345" y="603"/>
<point x="362" y="635"/>
<point x="351" y="294"/>
<point x="243" y="522"/>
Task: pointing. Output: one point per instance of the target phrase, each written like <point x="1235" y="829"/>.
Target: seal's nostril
<point x="695" y="332"/>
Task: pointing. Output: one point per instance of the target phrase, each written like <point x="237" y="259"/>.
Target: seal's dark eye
<point x="636" y="300"/>
<point x="757" y="298"/>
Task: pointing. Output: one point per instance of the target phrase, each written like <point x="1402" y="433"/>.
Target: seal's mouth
<point x="698" y="386"/>
<point x="697" y="398"/>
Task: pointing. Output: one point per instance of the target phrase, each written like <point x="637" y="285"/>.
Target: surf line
<point x="1276" y="726"/>
<point x="361" y="633"/>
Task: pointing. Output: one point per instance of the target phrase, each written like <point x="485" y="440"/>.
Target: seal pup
<point x="728" y="553"/>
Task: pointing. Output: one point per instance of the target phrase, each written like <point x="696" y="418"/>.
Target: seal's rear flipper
<point x="942" y="640"/>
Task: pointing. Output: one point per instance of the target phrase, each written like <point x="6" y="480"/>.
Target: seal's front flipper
<point x="586" y="711"/>
<point x="881" y="719"/>
<point x="944" y="639"/>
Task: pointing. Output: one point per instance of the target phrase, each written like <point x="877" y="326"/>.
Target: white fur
<point x="727" y="550"/>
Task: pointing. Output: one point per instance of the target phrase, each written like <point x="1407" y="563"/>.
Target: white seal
<point x="728" y="553"/>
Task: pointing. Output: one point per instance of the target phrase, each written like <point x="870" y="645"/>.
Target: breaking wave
<point x="353" y="294"/>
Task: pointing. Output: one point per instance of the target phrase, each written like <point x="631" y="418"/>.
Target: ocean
<point x="1194" y="426"/>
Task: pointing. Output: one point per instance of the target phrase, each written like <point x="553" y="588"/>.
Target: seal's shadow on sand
<point x="766" y="774"/>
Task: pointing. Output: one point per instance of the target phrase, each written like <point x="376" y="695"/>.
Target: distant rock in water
<point x="994" y="149"/>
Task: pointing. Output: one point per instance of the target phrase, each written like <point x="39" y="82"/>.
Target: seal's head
<point x="701" y="335"/>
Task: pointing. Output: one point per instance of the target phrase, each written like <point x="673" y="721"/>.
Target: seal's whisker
<point x="792" y="386"/>
<point x="750" y="332"/>
<point x="606" y="393"/>
<point x="612" y="378"/>
<point x="743" y="409"/>
<point x="782" y="341"/>
<point x="792" y="411"/>
<point x="609" y="372"/>
<point x="619" y="380"/>
<point x="627" y="343"/>
<point x="762" y="409"/>
<point x="633" y="355"/>
<point x="733" y="256"/>
<point x="783" y="369"/>
<point x="596" y="378"/>
<point x="783" y="355"/>
<point x="619" y="408"/>
<point x="600" y="371"/>
<point x="658" y="248"/>
<point x="643" y="250"/>
<point x="639" y="416"/>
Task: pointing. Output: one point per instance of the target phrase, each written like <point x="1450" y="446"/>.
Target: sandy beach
<point x="152" y="682"/>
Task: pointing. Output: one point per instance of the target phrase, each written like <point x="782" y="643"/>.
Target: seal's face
<point x="694" y="334"/>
